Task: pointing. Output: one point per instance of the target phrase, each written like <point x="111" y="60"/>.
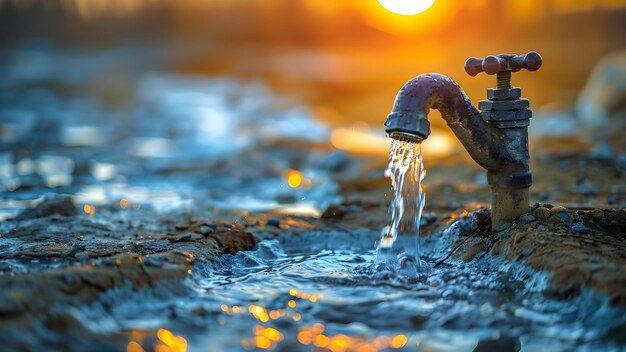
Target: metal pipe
<point x="502" y="151"/>
<point x="436" y="91"/>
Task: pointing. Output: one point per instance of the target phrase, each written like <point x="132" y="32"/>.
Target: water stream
<point x="406" y="171"/>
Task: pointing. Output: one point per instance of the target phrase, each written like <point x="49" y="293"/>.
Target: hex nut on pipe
<point x="518" y="104"/>
<point x="503" y="93"/>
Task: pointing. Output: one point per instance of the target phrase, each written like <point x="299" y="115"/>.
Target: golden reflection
<point x="89" y="209"/>
<point x="259" y="312"/>
<point x="306" y="296"/>
<point x="360" y="141"/>
<point x="168" y="342"/>
<point x="264" y="338"/>
<point x="315" y="336"/>
<point x="398" y="341"/>
<point x="295" y="179"/>
<point x="134" y="347"/>
<point x="124" y="203"/>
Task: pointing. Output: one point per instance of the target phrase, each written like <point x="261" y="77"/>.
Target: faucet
<point x="496" y="137"/>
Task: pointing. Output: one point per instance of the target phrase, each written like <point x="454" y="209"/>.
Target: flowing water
<point x="406" y="171"/>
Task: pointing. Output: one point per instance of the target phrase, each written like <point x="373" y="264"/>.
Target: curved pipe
<point x="435" y="91"/>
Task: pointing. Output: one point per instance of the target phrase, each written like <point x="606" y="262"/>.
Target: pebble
<point x="205" y="230"/>
<point x="185" y="237"/>
<point x="541" y="213"/>
<point x="528" y="218"/>
<point x="557" y="209"/>
<point x="563" y="216"/>
<point x="597" y="215"/>
<point x="181" y="226"/>
<point x="51" y="205"/>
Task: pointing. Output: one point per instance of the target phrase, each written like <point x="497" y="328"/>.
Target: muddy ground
<point x="56" y="256"/>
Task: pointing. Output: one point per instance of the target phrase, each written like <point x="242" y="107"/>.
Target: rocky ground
<point x="55" y="256"/>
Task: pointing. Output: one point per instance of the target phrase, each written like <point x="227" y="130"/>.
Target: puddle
<point x="320" y="289"/>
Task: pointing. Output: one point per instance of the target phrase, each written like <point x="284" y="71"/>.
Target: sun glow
<point x="406" y="7"/>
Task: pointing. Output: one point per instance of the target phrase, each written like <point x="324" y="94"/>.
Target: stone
<point x="528" y="218"/>
<point x="597" y="215"/>
<point x="563" y="216"/>
<point x="580" y="229"/>
<point x="557" y="209"/>
<point x="51" y="205"/>
<point x="541" y="213"/>
<point x="181" y="226"/>
<point x="205" y="230"/>
<point x="601" y="103"/>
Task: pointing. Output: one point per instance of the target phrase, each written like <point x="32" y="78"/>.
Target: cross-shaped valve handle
<point x="503" y="63"/>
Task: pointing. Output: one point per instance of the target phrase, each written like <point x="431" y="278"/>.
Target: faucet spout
<point x="435" y="91"/>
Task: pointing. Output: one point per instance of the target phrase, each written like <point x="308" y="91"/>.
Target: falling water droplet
<point x="406" y="171"/>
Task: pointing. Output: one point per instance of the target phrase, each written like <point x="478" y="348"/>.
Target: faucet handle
<point x="503" y="63"/>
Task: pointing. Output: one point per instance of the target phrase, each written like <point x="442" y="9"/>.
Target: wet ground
<point x="211" y="214"/>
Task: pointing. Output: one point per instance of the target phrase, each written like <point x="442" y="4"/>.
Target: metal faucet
<point x="496" y="138"/>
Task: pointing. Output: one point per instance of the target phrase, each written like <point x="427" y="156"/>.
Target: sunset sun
<point x="406" y="7"/>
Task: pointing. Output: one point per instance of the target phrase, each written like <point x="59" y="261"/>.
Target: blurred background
<point x="187" y="82"/>
<point x="344" y="60"/>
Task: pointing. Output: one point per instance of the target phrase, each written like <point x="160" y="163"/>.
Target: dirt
<point x="62" y="258"/>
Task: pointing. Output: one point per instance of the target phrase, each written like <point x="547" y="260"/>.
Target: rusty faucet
<point x="496" y="138"/>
